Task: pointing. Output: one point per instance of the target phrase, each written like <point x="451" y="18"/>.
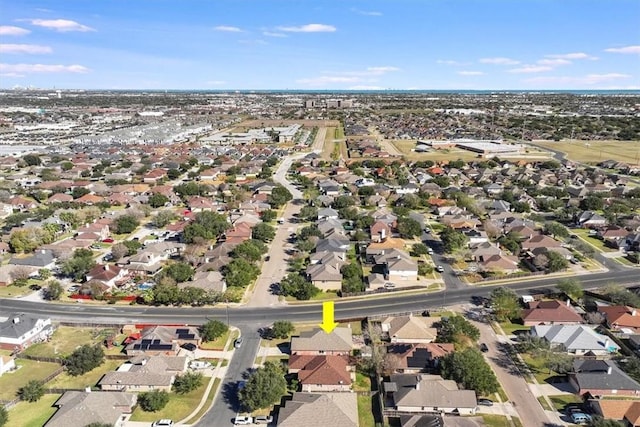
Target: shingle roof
<point x="78" y="409"/>
<point x="320" y="410"/>
<point x="326" y="370"/>
<point x="594" y="374"/>
<point x="575" y="337"/>
<point x="339" y="339"/>
<point x="430" y="390"/>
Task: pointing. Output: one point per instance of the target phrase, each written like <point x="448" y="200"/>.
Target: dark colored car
<point x="485" y="402"/>
<point x="189" y="346"/>
<point x="483" y="347"/>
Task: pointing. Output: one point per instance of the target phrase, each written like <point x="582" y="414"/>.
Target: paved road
<point x="226" y="405"/>
<point x="389" y="303"/>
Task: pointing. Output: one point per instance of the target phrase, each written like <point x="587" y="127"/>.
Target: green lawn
<point x="544" y="403"/>
<point x="66" y="339"/>
<point x="365" y="413"/>
<point x="540" y="372"/>
<point x="89" y="379"/>
<point x="28" y="370"/>
<point x="356" y="327"/>
<point x="179" y="406"/>
<point x="561" y="400"/>
<point x="500" y="421"/>
<point x="13" y="291"/>
<point x="218" y="343"/>
<point x="363" y="382"/>
<point x="509" y="328"/>
<point x="35" y="414"/>
<point x="584" y="235"/>
<point x="207" y="403"/>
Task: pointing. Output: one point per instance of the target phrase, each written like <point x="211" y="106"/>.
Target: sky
<point x="320" y="44"/>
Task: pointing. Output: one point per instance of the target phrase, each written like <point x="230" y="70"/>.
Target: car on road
<point x="483" y="347"/>
<point x="439" y="268"/>
<point x="107" y="240"/>
<point x="238" y="342"/>
<point x="430" y="250"/>
<point x="389" y="285"/>
<point x="242" y="420"/>
<point x="485" y="402"/>
<point x="263" y="419"/>
<point x="162" y="423"/>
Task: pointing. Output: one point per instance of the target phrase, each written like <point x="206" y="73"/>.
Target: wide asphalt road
<point x="384" y="304"/>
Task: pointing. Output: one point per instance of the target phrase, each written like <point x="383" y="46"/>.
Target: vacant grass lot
<point x="363" y="383"/>
<point x="14" y="291"/>
<point x="179" y="406"/>
<point x="561" y="400"/>
<point x="66" y="339"/>
<point x="36" y="414"/>
<point x="28" y="370"/>
<point x="365" y="412"/>
<point x="510" y="328"/>
<point x="596" y="151"/>
<point x="584" y="235"/>
<point x="207" y="403"/>
<point x="89" y="379"/>
<point x="218" y="343"/>
<point x="540" y="372"/>
<point x="405" y="147"/>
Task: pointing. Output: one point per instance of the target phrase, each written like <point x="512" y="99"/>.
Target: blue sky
<point x="320" y="44"/>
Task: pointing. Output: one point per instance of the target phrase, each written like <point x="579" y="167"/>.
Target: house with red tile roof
<point x="550" y="313"/>
<point x="240" y="232"/>
<point x="60" y="198"/>
<point x="325" y="373"/>
<point x="154" y="176"/>
<point x="416" y="358"/>
<point x="621" y="317"/>
<point x="107" y="274"/>
<point x="89" y="199"/>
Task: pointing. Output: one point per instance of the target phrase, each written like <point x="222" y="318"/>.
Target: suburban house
<point x="410" y="329"/>
<point x="42" y="258"/>
<point x="81" y="408"/>
<point x="380" y="231"/>
<point x="626" y="411"/>
<point x="21" y="330"/>
<point x="598" y="378"/>
<point x="144" y="373"/>
<point x="416" y="358"/>
<point x="108" y="275"/>
<point x="428" y="394"/>
<point x="317" y="342"/>
<point x="397" y="265"/>
<point x="620" y="317"/>
<point x="550" y="313"/>
<point x="319" y="410"/>
<point x="208" y="280"/>
<point x="576" y="339"/>
<point x="161" y="340"/>
<point x="322" y="373"/>
<point x="325" y="276"/>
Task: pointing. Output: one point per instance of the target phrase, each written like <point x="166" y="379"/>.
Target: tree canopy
<point x="505" y="304"/>
<point x="31" y="391"/>
<point x="84" y="359"/>
<point x="264" y="387"/>
<point x="297" y="286"/>
<point x="452" y="239"/>
<point x="153" y="401"/>
<point x="468" y="367"/>
<point x="206" y="225"/>
<point x="213" y="330"/>
<point x="457" y="330"/>
<point x="263" y="232"/>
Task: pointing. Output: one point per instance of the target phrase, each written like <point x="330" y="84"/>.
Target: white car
<point x="242" y="420"/>
<point x="263" y="419"/>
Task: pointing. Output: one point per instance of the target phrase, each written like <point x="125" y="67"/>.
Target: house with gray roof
<point x="43" y="258"/>
<point x="424" y="393"/>
<point x="318" y="342"/>
<point x="20" y="330"/>
<point x="576" y="339"/>
<point x="144" y="373"/>
<point x="601" y="378"/>
<point x="81" y="408"/>
<point x="319" y="410"/>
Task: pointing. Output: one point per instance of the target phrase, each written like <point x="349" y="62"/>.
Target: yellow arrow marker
<point x="328" y="324"/>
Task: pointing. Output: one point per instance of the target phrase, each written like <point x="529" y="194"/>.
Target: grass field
<point x="218" y="344"/>
<point x="363" y="382"/>
<point x="583" y="233"/>
<point x="28" y="370"/>
<point x="91" y="378"/>
<point x="509" y="328"/>
<point x="207" y="403"/>
<point x="406" y="147"/>
<point x="14" y="291"/>
<point x="329" y="145"/>
<point x="179" y="406"/>
<point x="499" y="421"/>
<point x="597" y="151"/>
<point x="537" y="369"/>
<point x="365" y="413"/>
<point x="66" y="339"/>
<point x="36" y="414"/>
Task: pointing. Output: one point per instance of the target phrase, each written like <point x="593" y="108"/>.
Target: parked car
<point x="162" y="423"/>
<point x="238" y="342"/>
<point x="242" y="420"/>
<point x="439" y="268"/>
<point x="580" y="418"/>
<point x="483" y="347"/>
<point x="485" y="402"/>
<point x="389" y="285"/>
<point x="189" y="346"/>
<point x="107" y="240"/>
<point x="263" y="419"/>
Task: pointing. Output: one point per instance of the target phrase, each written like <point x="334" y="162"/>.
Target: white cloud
<point x="381" y="70"/>
<point x="553" y="62"/>
<point x="273" y="34"/>
<point x="574" y="55"/>
<point x="61" y="25"/>
<point x="499" y="61"/>
<point x="470" y="73"/>
<point x="448" y="62"/>
<point x="309" y="28"/>
<point x="365" y="87"/>
<point x="10" y="30"/>
<point x="42" y="68"/>
<point x="366" y="76"/>
<point x="323" y="80"/>
<point x="531" y="69"/>
<point x="24" y="48"/>
<point x="366" y="12"/>
<point x="626" y="49"/>
<point x="589" y="79"/>
<point x="228" y="29"/>
<point x="11" y="75"/>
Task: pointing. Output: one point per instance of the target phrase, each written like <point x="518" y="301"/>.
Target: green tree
<point x="187" y="382"/>
<point x="240" y="273"/>
<point x="279" y="196"/>
<point x="505" y="304"/>
<point x="632" y="367"/>
<point x="163" y="218"/>
<point x="297" y="286"/>
<point x="78" y="192"/>
<point x="153" y="401"/>
<point x="179" y="271"/>
<point x="572" y="287"/>
<point x="458" y="330"/>
<point x="511" y="241"/>
<point x="264" y="387"/>
<point x="125" y="224"/>
<point x="213" y="330"/>
<point x="165" y="293"/>
<point x="419" y="249"/>
<point x="308" y="213"/>
<point x="32" y="160"/>
<point x="206" y="225"/>
<point x="32" y="391"/>
<point x="84" y="359"/>
<point x="4" y="416"/>
<point x="282" y="329"/>
<point x="263" y="232"/>
<point x="250" y="250"/>
<point x="556" y="262"/>
<point x="468" y="367"/>
<point x="158" y="200"/>
<point x="79" y="264"/>
<point x="54" y="290"/>
<point x="556" y="229"/>
<point x="25" y="240"/>
<point x="174" y="173"/>
<point x="597" y="421"/>
<point x="268" y="215"/>
<point x="452" y="240"/>
<point x="44" y="273"/>
<point x="409" y="227"/>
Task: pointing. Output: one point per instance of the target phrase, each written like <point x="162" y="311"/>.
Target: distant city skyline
<point x="321" y="45"/>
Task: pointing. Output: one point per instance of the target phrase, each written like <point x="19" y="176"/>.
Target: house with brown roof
<point x="89" y="199"/>
<point x="240" y="232"/>
<point x="81" y="408"/>
<point x="626" y="411"/>
<point x="326" y="373"/>
<point x="108" y="275"/>
<point x="416" y="358"/>
<point x="317" y="342"/>
<point x="621" y="317"/>
<point x="550" y="313"/>
<point x="380" y="231"/>
<point x="410" y="329"/>
<point x="60" y="198"/>
<point x="540" y="241"/>
<point x="499" y="263"/>
<point x="154" y="176"/>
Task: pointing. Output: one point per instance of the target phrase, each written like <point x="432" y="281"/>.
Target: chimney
<point x="568" y="302"/>
<point x="106" y="267"/>
<point x="634" y="312"/>
<point x="606" y="343"/>
<point x="609" y="370"/>
<point x="16" y="320"/>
